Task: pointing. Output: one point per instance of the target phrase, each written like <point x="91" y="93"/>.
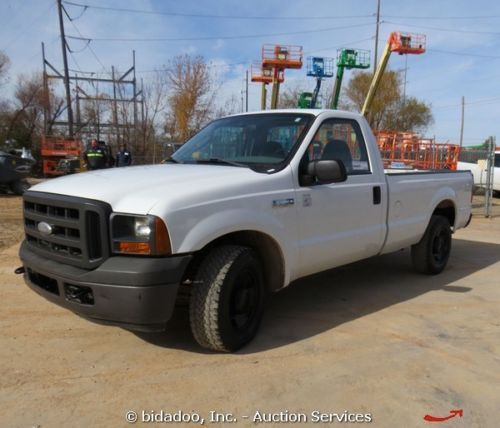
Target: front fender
<point x="215" y="225"/>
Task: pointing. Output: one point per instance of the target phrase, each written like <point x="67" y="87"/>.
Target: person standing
<point x="123" y="157"/>
<point x="95" y="157"/>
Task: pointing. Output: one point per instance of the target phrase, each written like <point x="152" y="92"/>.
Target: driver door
<point x="343" y="222"/>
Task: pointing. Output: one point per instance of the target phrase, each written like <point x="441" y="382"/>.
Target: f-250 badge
<point x="277" y="203"/>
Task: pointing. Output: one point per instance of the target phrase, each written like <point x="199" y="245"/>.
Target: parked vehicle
<point x="248" y="205"/>
<point x="479" y="172"/>
<point x="13" y="172"/>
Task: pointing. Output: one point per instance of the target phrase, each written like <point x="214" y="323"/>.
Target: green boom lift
<point x="348" y="59"/>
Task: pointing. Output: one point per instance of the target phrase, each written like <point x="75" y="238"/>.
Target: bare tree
<point x="231" y="106"/>
<point x="4" y="65"/>
<point x="155" y="107"/>
<point x="290" y="96"/>
<point x="94" y="112"/>
<point x="23" y="118"/>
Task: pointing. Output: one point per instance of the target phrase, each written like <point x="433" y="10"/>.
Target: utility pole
<point x="66" y="72"/>
<point x="115" y="107"/>
<point x="246" y="91"/>
<point x="376" y="37"/>
<point x="462" y="123"/>
<point x="404" y="83"/>
<point x="46" y="106"/>
<point x="490" y="170"/>
<point x="404" y="91"/>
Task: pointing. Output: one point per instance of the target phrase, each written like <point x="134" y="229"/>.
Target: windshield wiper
<point x="218" y="161"/>
<point x="171" y="159"/>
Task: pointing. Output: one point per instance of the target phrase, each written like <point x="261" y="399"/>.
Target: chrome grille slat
<point x="55" y="238"/>
<point x="60" y="221"/>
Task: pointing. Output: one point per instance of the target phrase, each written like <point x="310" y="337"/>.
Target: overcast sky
<point x="462" y="59"/>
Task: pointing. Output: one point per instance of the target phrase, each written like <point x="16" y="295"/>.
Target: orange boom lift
<point x="279" y="58"/>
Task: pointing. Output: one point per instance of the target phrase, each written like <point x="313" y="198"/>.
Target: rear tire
<point x="431" y="254"/>
<point x="19" y="187"/>
<point x="227" y="298"/>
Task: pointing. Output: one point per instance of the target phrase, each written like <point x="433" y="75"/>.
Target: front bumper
<point x="132" y="292"/>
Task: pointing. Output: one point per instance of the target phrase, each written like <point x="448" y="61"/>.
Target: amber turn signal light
<point x="134" y="247"/>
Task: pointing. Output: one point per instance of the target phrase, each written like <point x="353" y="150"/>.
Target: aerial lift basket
<point x="282" y="56"/>
<point x="407" y="43"/>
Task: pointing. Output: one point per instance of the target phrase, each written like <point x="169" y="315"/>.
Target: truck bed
<point x="413" y="195"/>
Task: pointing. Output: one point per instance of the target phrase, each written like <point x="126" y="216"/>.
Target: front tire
<point x="431" y="254"/>
<point x="227" y="298"/>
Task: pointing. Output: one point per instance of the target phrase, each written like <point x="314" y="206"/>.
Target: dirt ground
<point x="11" y="228"/>
<point x="372" y="338"/>
<point x="479" y="203"/>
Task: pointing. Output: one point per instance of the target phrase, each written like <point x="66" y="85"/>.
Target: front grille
<point x="76" y="229"/>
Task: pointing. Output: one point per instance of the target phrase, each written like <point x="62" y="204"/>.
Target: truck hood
<point x="137" y="189"/>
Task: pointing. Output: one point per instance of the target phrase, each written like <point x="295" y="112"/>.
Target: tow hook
<point x="20" y="270"/>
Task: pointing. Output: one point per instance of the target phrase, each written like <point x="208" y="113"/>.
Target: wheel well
<point x="446" y="209"/>
<point x="266" y="247"/>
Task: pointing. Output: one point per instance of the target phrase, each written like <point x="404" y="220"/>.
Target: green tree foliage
<point x="390" y="110"/>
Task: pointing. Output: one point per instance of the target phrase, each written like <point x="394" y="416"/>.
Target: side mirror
<point x="327" y="171"/>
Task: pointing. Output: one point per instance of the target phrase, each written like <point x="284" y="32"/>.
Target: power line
<point x="464" y="54"/>
<point x="21" y="29"/>
<point x="477" y="102"/>
<point x="463" y="83"/>
<point x="88" y="41"/>
<point x="443" y="17"/>
<point x="155" y="70"/>
<point x="212" y="16"/>
<point x="185" y="39"/>
<point x="26" y="62"/>
<point x="458" y="53"/>
<point x="76" y="63"/>
<point x="339" y="46"/>
<point x="450" y="30"/>
<point x="78" y="51"/>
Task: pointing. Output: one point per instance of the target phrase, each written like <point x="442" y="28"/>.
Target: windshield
<point x="262" y="142"/>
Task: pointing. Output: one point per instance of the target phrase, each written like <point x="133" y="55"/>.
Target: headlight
<point x="142" y="235"/>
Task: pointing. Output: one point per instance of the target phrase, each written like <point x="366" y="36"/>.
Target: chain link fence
<point x="483" y="164"/>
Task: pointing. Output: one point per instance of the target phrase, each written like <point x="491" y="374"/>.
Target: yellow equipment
<point x="402" y="43"/>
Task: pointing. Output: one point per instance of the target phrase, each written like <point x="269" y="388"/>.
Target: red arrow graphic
<point x="453" y="413"/>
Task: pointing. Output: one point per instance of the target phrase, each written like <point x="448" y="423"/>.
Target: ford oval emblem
<point x="45" y="228"/>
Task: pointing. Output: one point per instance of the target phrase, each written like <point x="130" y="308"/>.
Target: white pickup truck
<point x="248" y="205"/>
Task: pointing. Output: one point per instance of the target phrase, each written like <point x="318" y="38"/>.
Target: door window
<point x="340" y="139"/>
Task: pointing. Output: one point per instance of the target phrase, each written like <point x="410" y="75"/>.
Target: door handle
<point x="377" y="195"/>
